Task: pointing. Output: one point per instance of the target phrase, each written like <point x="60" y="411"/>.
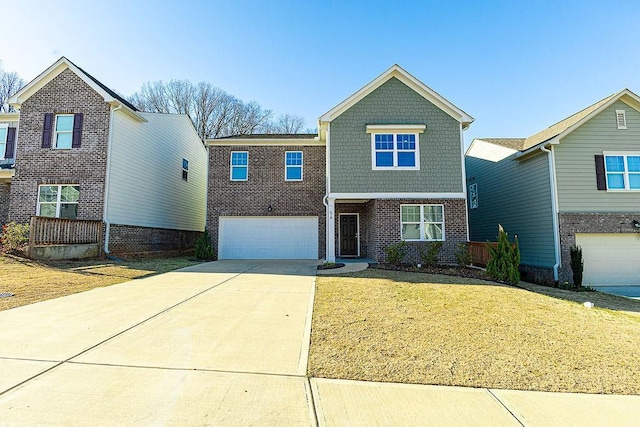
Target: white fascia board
<point x="397" y="195"/>
<point x="406" y="78"/>
<point x="7" y="174"/>
<point x="264" y="142"/>
<point x="524" y="154"/>
<point x="9" y="117"/>
<point x="419" y="128"/>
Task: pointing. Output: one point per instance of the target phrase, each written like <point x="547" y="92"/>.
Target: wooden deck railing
<point x="59" y="231"/>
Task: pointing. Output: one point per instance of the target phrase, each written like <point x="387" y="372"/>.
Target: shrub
<point x="14" y="236"/>
<point x="429" y="253"/>
<point x="203" y="248"/>
<point x="463" y="257"/>
<point x="504" y="259"/>
<point x="396" y="253"/>
<point x="577" y="265"/>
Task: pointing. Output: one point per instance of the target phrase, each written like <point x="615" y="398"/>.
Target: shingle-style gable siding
<point x="395" y="103"/>
<point x="518" y="196"/>
<point x="575" y="166"/>
<point x="86" y="166"/>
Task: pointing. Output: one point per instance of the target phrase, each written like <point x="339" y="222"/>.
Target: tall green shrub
<point x="203" y="248"/>
<point x="463" y="257"/>
<point x="429" y="254"/>
<point x="396" y="253"/>
<point x="504" y="259"/>
<point x="577" y="265"/>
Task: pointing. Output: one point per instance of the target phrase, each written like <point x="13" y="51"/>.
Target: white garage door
<point x="610" y="259"/>
<point x="268" y="238"/>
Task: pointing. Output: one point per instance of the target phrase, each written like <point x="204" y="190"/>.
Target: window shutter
<point x="601" y="177"/>
<point x="77" y="130"/>
<point x="11" y="143"/>
<point x="47" y="130"/>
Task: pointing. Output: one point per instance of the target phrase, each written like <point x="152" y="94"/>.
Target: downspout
<point x="554" y="207"/>
<point x="105" y="219"/>
<point x="464" y="180"/>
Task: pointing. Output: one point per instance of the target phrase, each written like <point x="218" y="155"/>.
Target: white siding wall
<point x="145" y="175"/>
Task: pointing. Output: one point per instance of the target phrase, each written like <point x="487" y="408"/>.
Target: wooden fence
<point x="59" y="231"/>
<point x="480" y="253"/>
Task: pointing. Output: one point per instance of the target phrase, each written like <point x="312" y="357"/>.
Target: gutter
<point x="554" y="207"/>
<point x="105" y="218"/>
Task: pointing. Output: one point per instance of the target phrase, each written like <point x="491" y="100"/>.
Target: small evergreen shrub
<point x="396" y="253"/>
<point x="429" y="253"/>
<point x="14" y="236"/>
<point x="577" y="265"/>
<point x="504" y="261"/>
<point x="463" y="257"/>
<point x="203" y="249"/>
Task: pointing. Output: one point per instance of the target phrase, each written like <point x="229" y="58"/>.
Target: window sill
<point x="395" y="168"/>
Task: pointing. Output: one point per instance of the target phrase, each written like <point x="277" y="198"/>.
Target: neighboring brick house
<point x="576" y="182"/>
<point x="386" y="166"/>
<point x="84" y="152"/>
<point x="8" y="134"/>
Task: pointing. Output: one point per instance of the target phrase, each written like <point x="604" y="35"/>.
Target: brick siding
<point x="4" y="202"/>
<point x="363" y="220"/>
<point x="266" y="187"/>
<point x="572" y="223"/>
<point x="124" y="239"/>
<point x="84" y="166"/>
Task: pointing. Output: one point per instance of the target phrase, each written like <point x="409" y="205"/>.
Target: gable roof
<point x="413" y="83"/>
<point x="110" y="96"/>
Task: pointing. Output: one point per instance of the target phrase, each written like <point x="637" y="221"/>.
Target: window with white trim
<point x="395" y="150"/>
<point x="622" y="171"/>
<point x="621" y="119"/>
<point x="239" y="165"/>
<point x="4" y="129"/>
<point x="63" y="135"/>
<point x="58" y="201"/>
<point x="185" y="169"/>
<point x="422" y="222"/>
<point x="293" y="165"/>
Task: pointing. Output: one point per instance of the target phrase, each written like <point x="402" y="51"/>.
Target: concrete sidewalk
<point x="226" y="343"/>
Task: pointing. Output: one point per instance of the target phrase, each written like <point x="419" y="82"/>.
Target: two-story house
<point x="8" y="133"/>
<point x="574" y="183"/>
<point x="83" y="152"/>
<point x="387" y="165"/>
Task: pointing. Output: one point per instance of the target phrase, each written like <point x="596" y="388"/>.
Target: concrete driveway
<point x="218" y="343"/>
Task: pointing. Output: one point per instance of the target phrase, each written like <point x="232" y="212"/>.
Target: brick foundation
<point x="5" y="190"/>
<point x="539" y="275"/>
<point x="124" y="239"/>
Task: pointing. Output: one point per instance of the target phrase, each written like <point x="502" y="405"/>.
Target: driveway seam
<point x="125" y="330"/>
<point x="506" y="407"/>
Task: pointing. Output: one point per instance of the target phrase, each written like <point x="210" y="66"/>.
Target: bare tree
<point x="10" y="83"/>
<point x="287" y="124"/>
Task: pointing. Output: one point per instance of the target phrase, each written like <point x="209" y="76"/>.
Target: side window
<point x="239" y="165"/>
<point x="293" y="165"/>
<point x="185" y="169"/>
<point x="58" y="201"/>
<point x="63" y="135"/>
<point x="3" y="140"/>
<point x="62" y="131"/>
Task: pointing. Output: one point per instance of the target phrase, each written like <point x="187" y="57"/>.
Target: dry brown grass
<point x="33" y="281"/>
<point x="380" y="325"/>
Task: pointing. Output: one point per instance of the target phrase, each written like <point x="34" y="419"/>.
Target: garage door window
<point x="239" y="165"/>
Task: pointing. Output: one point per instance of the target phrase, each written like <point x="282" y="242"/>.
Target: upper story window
<point x="185" y="169"/>
<point x="623" y="171"/>
<point x="239" y="165"/>
<point x="422" y="222"/>
<point x="293" y="165"/>
<point x="3" y="140"/>
<point x="395" y="146"/>
<point x="58" y="201"/>
<point x="62" y="131"/>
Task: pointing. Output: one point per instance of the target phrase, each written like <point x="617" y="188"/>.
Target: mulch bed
<point x="448" y="270"/>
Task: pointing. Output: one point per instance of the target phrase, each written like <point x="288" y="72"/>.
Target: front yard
<point x="392" y="326"/>
<point x="33" y="281"/>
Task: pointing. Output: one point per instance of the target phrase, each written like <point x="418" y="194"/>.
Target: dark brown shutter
<point x="601" y="177"/>
<point x="11" y="143"/>
<point x="47" y="130"/>
<point x="77" y="130"/>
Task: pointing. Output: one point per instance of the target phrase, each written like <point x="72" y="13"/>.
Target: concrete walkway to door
<point x="223" y="343"/>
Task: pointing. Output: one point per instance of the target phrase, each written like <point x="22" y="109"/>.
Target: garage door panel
<point x="268" y="238"/>
<point x="610" y="259"/>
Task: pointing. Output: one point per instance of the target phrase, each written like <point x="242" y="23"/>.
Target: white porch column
<point x="331" y="230"/>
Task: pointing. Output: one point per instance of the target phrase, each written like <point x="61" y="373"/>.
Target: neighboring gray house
<point x="576" y="182"/>
<point x="387" y="165"/>
<point x="84" y="152"/>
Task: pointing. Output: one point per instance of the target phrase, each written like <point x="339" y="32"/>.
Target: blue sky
<point x="516" y="66"/>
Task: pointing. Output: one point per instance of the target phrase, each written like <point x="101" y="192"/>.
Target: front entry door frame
<point x="357" y="215"/>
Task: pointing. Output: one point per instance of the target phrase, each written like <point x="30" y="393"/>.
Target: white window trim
<point x="58" y="197"/>
<point x="301" y="166"/>
<point x="3" y="144"/>
<point x="422" y="223"/>
<point x="55" y="131"/>
<point x="231" y="166"/>
<point x="621" y="114"/>
<point x="626" y="172"/>
<point x="395" y="152"/>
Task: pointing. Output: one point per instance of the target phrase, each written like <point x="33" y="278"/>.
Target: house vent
<point x="621" y="119"/>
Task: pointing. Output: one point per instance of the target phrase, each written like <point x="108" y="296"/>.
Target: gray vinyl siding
<point x="395" y="103"/>
<point x="146" y="188"/>
<point x="518" y="196"/>
<point x="575" y="166"/>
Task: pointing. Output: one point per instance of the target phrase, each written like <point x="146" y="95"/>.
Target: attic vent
<point x="621" y="119"/>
